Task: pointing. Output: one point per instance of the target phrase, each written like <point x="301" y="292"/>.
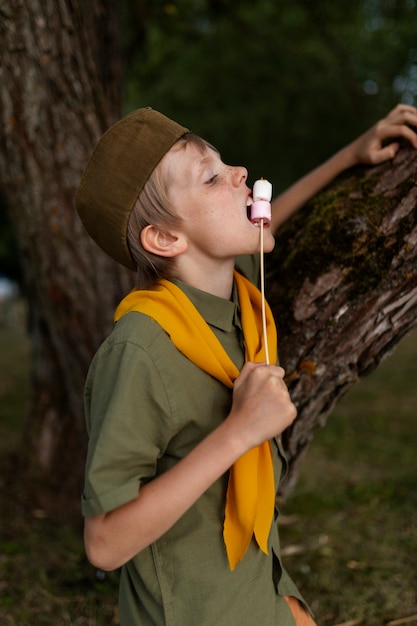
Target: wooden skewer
<point x="262" y="263"/>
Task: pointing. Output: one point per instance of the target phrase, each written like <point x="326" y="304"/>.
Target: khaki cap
<point x="119" y="167"/>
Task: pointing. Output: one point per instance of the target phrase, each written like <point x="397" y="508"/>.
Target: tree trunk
<point x="60" y="71"/>
<point x="343" y="288"/>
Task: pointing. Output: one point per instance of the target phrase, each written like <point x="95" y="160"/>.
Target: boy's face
<point x="212" y="200"/>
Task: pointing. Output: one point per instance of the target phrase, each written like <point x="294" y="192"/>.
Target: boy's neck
<point x="217" y="281"/>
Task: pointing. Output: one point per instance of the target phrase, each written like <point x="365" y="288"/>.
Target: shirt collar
<point x="218" y="312"/>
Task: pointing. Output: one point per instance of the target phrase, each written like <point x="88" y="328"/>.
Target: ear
<point x="162" y="242"/>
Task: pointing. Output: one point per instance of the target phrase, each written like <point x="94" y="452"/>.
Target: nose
<point x="239" y="175"/>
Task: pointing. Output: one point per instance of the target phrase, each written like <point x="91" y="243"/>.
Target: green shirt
<point x="147" y="406"/>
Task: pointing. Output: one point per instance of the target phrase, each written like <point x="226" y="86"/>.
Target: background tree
<point x="60" y="76"/>
<point x="255" y="79"/>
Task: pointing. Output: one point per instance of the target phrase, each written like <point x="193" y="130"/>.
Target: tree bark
<point x="343" y="288"/>
<point x="60" y="71"/>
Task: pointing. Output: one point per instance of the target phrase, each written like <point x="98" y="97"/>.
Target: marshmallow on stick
<point x="261" y="205"/>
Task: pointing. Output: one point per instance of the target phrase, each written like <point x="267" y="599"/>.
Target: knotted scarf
<point x="251" y="491"/>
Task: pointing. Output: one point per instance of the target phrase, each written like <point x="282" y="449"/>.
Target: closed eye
<point x="212" y="180"/>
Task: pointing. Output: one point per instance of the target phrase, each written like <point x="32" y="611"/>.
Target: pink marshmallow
<point x="260" y="209"/>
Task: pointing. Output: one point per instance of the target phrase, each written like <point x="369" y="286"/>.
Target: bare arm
<point x="261" y="409"/>
<point x="369" y="149"/>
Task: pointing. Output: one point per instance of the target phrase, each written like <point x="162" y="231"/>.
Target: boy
<point x="183" y="414"/>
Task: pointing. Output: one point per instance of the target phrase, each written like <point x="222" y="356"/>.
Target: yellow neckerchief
<point x="251" y="491"/>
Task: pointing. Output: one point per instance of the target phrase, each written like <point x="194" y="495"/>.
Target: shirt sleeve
<point x="129" y="422"/>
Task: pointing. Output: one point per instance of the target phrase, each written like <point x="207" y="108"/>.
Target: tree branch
<point x="344" y="288"/>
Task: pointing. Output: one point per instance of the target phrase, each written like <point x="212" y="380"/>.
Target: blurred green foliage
<point x="276" y="86"/>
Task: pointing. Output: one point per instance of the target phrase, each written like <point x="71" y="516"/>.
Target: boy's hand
<point x="262" y="407"/>
<point x="372" y="148"/>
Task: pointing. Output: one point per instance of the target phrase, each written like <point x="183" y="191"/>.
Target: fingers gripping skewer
<point x="261" y="214"/>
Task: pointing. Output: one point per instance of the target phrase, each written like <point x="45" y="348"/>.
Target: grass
<point x="349" y="528"/>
